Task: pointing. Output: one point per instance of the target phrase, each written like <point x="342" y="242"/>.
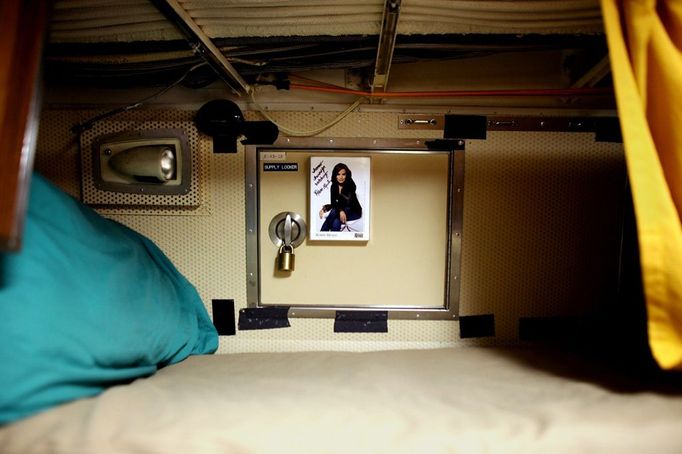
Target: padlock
<point x="286" y="260"/>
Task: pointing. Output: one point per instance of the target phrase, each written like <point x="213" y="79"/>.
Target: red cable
<point x="461" y="93"/>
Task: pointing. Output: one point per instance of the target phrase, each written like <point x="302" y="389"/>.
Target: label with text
<point x="280" y="167"/>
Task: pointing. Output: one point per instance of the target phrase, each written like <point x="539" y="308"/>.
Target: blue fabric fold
<point x="86" y="304"/>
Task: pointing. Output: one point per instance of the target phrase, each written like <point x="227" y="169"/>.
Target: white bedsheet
<point x="467" y="400"/>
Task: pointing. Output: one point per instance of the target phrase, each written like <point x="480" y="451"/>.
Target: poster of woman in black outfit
<point x="340" y="198"/>
<point x="344" y="205"/>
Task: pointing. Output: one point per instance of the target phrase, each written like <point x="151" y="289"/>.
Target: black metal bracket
<point x="264" y="318"/>
<point x="361" y="322"/>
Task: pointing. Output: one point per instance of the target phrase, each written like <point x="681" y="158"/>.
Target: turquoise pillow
<point x="88" y="303"/>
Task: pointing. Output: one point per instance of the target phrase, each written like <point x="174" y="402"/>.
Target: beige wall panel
<point x="540" y="234"/>
<point x="403" y="263"/>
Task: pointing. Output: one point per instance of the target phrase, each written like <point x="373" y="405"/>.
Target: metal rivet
<point x="108" y="152"/>
<point x="460" y="143"/>
<point x="331" y="140"/>
<point x="456" y="233"/>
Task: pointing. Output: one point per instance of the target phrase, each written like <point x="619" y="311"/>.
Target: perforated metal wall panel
<point x="94" y="196"/>
<point x="542" y="215"/>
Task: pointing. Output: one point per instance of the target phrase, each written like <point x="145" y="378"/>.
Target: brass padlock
<point x="286" y="260"/>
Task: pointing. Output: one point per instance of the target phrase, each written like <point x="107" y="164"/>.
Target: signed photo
<point x="339" y="198"/>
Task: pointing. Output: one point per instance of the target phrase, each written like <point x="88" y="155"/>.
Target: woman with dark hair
<point x="344" y="204"/>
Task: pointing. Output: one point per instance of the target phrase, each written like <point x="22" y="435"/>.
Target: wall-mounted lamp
<point x="149" y="162"/>
<point x="223" y="120"/>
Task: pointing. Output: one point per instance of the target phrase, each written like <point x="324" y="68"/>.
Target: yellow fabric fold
<point x="645" y="48"/>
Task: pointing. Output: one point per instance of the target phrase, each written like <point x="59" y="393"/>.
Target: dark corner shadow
<point x="608" y="347"/>
<point x="623" y="368"/>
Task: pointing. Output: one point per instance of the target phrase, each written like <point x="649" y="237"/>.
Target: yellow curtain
<point x="645" y="47"/>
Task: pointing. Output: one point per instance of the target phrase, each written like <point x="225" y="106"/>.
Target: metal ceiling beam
<point x="203" y="45"/>
<point x="595" y="74"/>
<point x="389" y="31"/>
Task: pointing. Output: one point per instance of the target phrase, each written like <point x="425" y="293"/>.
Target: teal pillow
<point x="86" y="304"/>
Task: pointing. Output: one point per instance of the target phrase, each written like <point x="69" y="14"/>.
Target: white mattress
<point x="427" y="401"/>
